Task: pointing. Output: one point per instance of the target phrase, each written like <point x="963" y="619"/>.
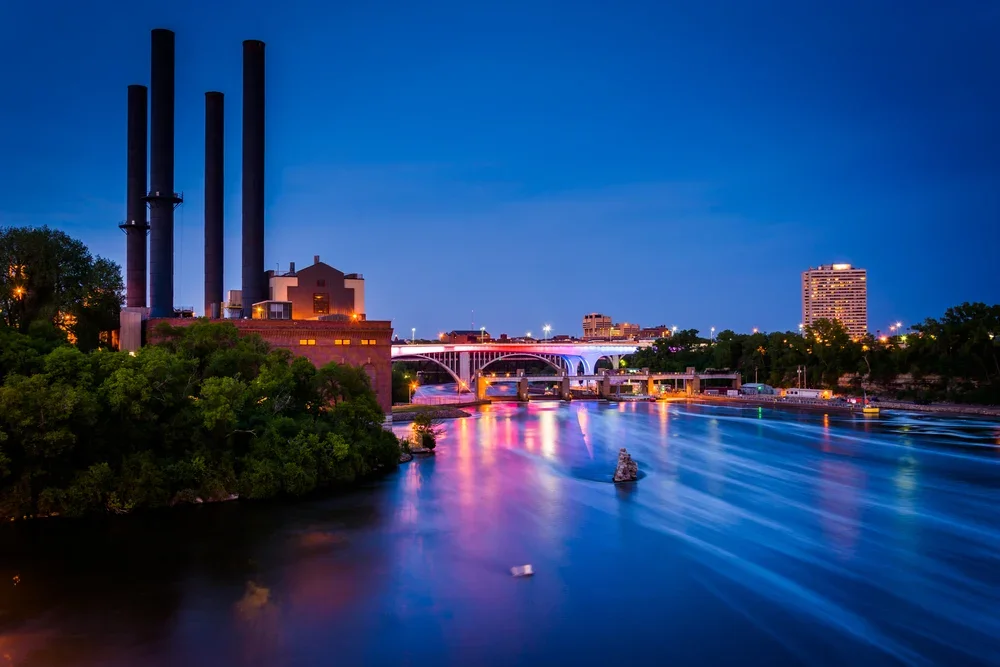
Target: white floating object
<point x="522" y="571"/>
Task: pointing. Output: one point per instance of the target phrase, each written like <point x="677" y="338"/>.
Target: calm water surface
<point x="753" y="538"/>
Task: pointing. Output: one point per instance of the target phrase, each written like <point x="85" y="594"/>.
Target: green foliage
<point x="953" y="358"/>
<point x="48" y="277"/>
<point x="204" y="415"/>
<point x="425" y="430"/>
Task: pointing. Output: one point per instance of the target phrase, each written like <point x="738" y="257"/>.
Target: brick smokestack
<point x="254" y="280"/>
<point x="162" y="198"/>
<point x="135" y="225"/>
<point x="214" y="152"/>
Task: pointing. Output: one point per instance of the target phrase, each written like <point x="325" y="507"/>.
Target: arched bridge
<point x="464" y="361"/>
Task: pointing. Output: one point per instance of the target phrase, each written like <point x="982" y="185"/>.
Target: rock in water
<point x="522" y="571"/>
<point x="627" y="470"/>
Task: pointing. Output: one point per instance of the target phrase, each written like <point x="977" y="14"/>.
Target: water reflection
<point x="809" y="538"/>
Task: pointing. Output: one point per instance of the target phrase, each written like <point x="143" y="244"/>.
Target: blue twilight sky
<point x="661" y="162"/>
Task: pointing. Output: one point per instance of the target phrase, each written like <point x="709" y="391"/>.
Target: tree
<point x="47" y="276"/>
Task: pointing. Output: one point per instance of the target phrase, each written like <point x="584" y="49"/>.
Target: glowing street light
<point x="713" y="334"/>
<point x="527" y="335"/>
<point x="413" y="335"/>
<point x="413" y="388"/>
<point x="755" y="329"/>
<point x="674" y="329"/>
<point x="546" y="329"/>
<point x="482" y="334"/>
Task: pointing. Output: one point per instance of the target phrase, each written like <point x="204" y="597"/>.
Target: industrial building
<point x="317" y="312"/>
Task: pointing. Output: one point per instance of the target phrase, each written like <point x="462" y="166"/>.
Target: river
<point x="754" y="537"/>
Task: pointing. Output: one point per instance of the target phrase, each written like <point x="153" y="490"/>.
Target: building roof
<point x="468" y="332"/>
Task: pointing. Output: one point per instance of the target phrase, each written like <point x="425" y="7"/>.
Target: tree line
<point x="950" y="358"/>
<point x="205" y="415"/>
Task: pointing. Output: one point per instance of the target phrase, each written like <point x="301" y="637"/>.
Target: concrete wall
<point x="358" y="285"/>
<point x="317" y="342"/>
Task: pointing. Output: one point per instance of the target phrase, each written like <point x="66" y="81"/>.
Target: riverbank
<point x="407" y="413"/>
<point x="946" y="410"/>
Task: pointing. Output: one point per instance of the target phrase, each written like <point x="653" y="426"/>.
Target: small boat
<point x="867" y="408"/>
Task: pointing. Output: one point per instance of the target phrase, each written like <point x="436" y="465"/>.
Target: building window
<point x="307" y="341"/>
<point x="321" y="282"/>
<point x="321" y="304"/>
<point x="368" y="341"/>
<point x="342" y="341"/>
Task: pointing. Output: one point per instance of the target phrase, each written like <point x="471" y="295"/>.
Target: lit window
<point x="343" y="341"/>
<point x="307" y="341"/>
<point x="368" y="341"/>
<point x="321" y="304"/>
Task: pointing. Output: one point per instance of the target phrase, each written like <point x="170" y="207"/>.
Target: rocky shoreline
<point x="404" y="416"/>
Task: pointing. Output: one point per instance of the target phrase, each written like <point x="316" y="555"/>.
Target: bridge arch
<point x="525" y="355"/>
<point x="423" y="357"/>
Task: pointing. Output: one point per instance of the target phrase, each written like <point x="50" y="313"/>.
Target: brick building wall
<point x="369" y="346"/>
<point x="320" y="287"/>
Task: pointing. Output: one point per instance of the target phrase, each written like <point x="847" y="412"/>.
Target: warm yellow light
<point x="841" y="267"/>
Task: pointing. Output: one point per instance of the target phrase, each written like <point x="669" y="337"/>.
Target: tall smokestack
<point x="254" y="281"/>
<point x="213" y="202"/>
<point x="162" y="198"/>
<point x="135" y="225"/>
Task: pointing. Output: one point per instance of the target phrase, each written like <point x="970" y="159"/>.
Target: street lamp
<point x="413" y="335"/>
<point x="713" y="334"/>
<point x="528" y="335"/>
<point x="674" y="329"/>
<point x="413" y="388"/>
<point x="482" y="334"/>
<point x="546" y="329"/>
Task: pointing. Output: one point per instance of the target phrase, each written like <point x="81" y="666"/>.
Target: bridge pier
<point x="522" y="389"/>
<point x="604" y="387"/>
<point x="481" y="384"/>
<point x="565" y="393"/>
<point x="464" y="368"/>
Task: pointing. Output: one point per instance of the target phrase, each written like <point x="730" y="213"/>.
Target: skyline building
<point x="836" y="292"/>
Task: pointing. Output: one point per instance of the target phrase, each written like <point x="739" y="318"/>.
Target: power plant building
<point x="317" y="312"/>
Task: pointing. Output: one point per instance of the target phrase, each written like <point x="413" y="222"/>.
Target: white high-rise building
<point x="836" y="292"/>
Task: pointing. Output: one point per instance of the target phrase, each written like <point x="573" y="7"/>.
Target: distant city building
<point x="625" y="330"/>
<point x="652" y="333"/>
<point x="464" y="336"/>
<point x="836" y="292"/>
<point x="596" y="325"/>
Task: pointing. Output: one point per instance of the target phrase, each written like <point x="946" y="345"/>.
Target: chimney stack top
<point x="315" y="259"/>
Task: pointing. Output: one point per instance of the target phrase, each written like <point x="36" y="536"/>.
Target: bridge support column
<point x="464" y="370"/>
<point x="650" y="386"/>
<point x="565" y="389"/>
<point x="481" y="384"/>
<point x="692" y="386"/>
<point x="522" y="389"/>
<point x="604" y="387"/>
<point x="737" y="383"/>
